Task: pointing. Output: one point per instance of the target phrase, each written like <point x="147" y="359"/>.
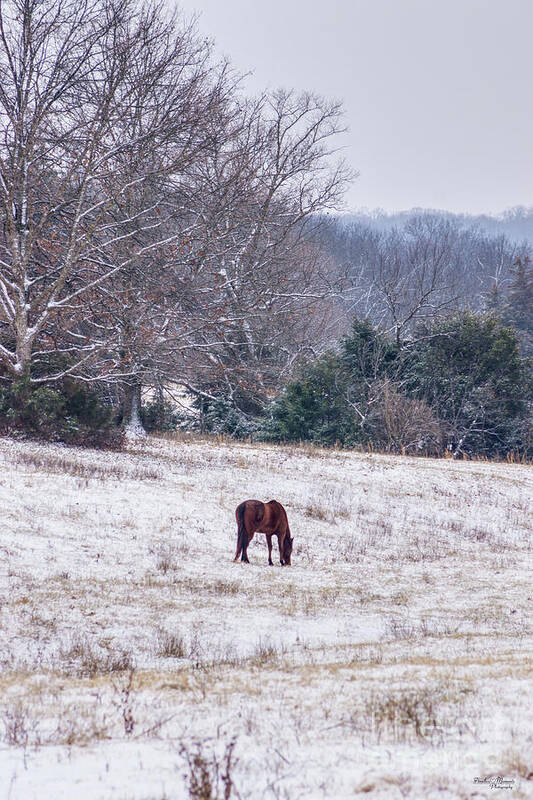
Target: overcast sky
<point x="438" y="93"/>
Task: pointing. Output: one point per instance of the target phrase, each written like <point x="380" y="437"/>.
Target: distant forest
<point x="516" y="223"/>
<point x="399" y="269"/>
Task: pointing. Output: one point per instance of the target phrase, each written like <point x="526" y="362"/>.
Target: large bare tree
<point x="98" y="99"/>
<point x="237" y="291"/>
<point x="268" y="276"/>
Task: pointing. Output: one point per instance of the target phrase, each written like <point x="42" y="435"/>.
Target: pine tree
<point x="519" y="308"/>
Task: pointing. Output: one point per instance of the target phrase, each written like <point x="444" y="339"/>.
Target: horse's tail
<point x="241" y="529"/>
<point x="287" y="544"/>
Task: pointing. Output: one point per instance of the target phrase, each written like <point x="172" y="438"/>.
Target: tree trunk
<point x="133" y="426"/>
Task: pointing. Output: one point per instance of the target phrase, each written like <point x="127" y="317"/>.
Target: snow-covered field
<point x="138" y="662"/>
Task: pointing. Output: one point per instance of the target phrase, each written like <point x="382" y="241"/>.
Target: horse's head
<point x="287" y="549"/>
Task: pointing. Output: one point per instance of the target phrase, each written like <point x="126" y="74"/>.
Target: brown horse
<point x="270" y="518"/>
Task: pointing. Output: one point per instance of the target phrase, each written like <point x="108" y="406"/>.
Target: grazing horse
<point x="270" y="518"/>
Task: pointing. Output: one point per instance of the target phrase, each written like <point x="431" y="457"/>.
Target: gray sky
<point x="438" y="93"/>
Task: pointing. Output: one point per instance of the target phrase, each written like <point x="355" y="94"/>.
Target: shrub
<point x="159" y="415"/>
<point x="314" y="407"/>
<point x="468" y="368"/>
<point x="404" y="424"/>
<point x="223" y="416"/>
<point x="63" y="412"/>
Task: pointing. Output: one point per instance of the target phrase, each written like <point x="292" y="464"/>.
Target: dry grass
<point x="167" y="558"/>
<point x="66" y="465"/>
<point x="170" y="645"/>
<point x="327" y="503"/>
<point x="210" y="777"/>
<point x="428" y="714"/>
<point x="401" y="628"/>
<point x="517" y="763"/>
<point x="82" y="658"/>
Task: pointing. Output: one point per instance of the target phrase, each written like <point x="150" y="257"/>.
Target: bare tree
<point x="156" y="227"/>
<point x="411" y="275"/>
<point x="237" y="292"/>
<point x="270" y="279"/>
<point x="433" y="262"/>
<point x="98" y="99"/>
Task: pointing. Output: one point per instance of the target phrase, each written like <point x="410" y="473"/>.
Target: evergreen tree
<point x="333" y="399"/>
<point x="461" y="384"/>
<point x="494" y="299"/>
<point x="314" y="406"/>
<point x="519" y="308"/>
<point x="468" y="368"/>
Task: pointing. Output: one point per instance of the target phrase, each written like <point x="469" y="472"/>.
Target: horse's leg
<point x="238" y="550"/>
<point x="242" y="537"/>
<point x="245" y="542"/>
<point x="281" y="538"/>
<point x="269" y="543"/>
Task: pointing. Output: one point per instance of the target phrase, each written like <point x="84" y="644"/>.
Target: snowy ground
<point x="392" y="660"/>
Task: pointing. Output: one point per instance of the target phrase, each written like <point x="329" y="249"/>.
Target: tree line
<point x="437" y="359"/>
<point x="162" y="232"/>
